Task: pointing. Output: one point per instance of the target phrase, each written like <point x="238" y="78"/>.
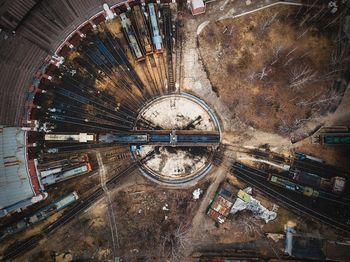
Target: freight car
<point x="70" y="137"/>
<point x="131" y="37"/>
<point x="304" y="157"/>
<point x="54" y="167"/>
<point x="59" y="177"/>
<point x="156" y="37"/>
<point x="285" y="183"/>
<point x="142" y="29"/>
<point x="335" y="184"/>
<point x="39" y="215"/>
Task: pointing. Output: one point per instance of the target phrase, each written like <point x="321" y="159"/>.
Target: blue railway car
<point x="40" y="215"/>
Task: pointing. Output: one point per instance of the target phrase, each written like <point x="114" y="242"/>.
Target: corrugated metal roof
<point x="15" y="184"/>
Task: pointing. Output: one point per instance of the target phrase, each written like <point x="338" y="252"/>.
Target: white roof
<point x="197" y="4"/>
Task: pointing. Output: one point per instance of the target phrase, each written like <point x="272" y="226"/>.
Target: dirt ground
<point x="152" y="225"/>
<point x="273" y="69"/>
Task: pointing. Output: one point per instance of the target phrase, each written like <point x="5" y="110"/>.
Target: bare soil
<point x="274" y="68"/>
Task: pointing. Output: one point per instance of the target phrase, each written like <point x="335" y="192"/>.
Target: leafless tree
<point x="301" y="76"/>
<point x="287" y="127"/>
<point x="175" y="242"/>
<point x="263" y="73"/>
<point x="266" y="23"/>
<point x="277" y="50"/>
<point x="328" y="99"/>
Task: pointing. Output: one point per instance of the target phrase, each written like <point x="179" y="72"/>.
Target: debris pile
<point x="246" y="201"/>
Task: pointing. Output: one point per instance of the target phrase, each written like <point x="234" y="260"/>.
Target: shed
<point x="304" y="246"/>
<point x="197" y="7"/>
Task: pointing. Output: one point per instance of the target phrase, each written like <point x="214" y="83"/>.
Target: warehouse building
<point x="19" y="183"/>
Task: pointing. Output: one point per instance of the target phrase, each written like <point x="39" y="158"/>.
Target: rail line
<point x="27" y="244"/>
<point x="168" y="37"/>
<point x="285" y="197"/>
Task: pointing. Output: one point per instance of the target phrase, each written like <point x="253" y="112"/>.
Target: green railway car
<point x="285" y="183"/>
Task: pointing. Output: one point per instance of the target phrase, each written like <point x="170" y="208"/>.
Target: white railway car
<point x="156" y="37"/>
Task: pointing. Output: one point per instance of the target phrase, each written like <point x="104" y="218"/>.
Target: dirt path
<point x="111" y="216"/>
<point x="200" y="223"/>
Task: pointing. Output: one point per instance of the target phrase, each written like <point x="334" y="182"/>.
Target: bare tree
<point x="175" y="242"/>
<point x="301" y="76"/>
<point x="266" y="22"/>
<point x="277" y="49"/>
<point x="288" y="127"/>
<point x="263" y="73"/>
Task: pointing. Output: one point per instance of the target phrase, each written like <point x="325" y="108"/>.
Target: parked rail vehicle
<point x="142" y="29"/>
<point x="335" y="184"/>
<point x="60" y="165"/>
<point x="304" y="157"/>
<point x="70" y="137"/>
<point x="287" y="184"/>
<point x="131" y="37"/>
<point x="165" y="137"/>
<point x="153" y="20"/>
<point x="40" y="215"/>
<point x="332" y="139"/>
<point x="61" y="176"/>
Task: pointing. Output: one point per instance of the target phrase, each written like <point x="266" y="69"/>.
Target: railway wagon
<point x="198" y="138"/>
<point x="124" y="138"/>
<point x="335" y="184"/>
<point x="40" y="215"/>
<point x="142" y="28"/>
<point x="59" y="177"/>
<point x="287" y="184"/>
<point x="66" y="137"/>
<point x="130" y="35"/>
<point x="153" y="20"/>
<point x="58" y="166"/>
<point x="303" y="157"/>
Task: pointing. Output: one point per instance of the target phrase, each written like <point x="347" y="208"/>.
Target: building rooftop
<point x="17" y="185"/>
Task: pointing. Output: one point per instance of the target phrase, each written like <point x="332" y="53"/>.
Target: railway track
<point x="24" y="246"/>
<point x="299" y="203"/>
<point x="168" y="37"/>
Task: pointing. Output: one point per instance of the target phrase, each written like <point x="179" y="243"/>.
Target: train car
<point x="142" y="28"/>
<point x="153" y="20"/>
<point x="131" y="37"/>
<point x="335" y="139"/>
<point x="124" y="138"/>
<point x="335" y="184"/>
<point x="301" y="156"/>
<point x="58" y="166"/>
<point x="40" y="215"/>
<point x="53" y="208"/>
<point x="287" y="184"/>
<point x="66" y="137"/>
<point x="59" y="177"/>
